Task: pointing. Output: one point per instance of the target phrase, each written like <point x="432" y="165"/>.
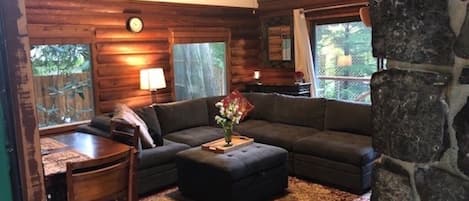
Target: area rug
<point x="298" y="190"/>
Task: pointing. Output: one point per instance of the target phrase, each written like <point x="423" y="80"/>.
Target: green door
<point x="5" y="180"/>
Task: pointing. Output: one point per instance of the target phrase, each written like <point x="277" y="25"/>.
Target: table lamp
<point x="257" y="77"/>
<point x="152" y="79"/>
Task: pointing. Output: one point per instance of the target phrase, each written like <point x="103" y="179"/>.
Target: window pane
<point x="199" y="70"/>
<point x="62" y="83"/>
<point x="344" y="61"/>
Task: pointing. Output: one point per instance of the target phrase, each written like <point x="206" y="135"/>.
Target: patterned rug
<point x="298" y="190"/>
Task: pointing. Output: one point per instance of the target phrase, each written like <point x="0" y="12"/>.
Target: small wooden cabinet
<point x="300" y="89"/>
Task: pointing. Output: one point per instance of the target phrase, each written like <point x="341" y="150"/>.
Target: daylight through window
<point x="199" y="70"/>
<point x="344" y="61"/>
<point x="62" y="83"/>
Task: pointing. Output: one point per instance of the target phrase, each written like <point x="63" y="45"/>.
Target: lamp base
<point x="153" y="96"/>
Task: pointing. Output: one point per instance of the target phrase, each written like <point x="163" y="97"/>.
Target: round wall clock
<point x="135" y="24"/>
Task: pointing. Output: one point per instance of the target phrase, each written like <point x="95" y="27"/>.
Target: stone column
<point x="420" y="116"/>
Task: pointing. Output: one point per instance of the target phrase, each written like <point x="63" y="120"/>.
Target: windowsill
<point x="62" y="128"/>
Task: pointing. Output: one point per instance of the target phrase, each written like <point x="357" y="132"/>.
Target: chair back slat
<point x="107" y="178"/>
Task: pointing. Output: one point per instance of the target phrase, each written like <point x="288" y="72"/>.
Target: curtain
<point x="196" y="72"/>
<point x="303" y="52"/>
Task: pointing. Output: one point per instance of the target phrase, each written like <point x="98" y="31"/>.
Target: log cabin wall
<point x="280" y="13"/>
<point x="118" y="54"/>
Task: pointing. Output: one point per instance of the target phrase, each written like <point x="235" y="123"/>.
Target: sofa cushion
<point x="164" y="154"/>
<point x="263" y="105"/>
<point x="337" y="146"/>
<point x="212" y="110"/>
<point x="246" y="126"/>
<point x="148" y="115"/>
<point x="195" y="136"/>
<point x="348" y="117"/>
<point x="300" y="111"/>
<point x="180" y="115"/>
<point x="281" y="135"/>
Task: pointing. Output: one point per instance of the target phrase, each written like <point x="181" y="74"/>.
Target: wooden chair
<point x="102" y="179"/>
<point x="126" y="133"/>
<point x="129" y="134"/>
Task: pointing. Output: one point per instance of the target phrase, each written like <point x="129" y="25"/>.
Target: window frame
<point x="330" y="19"/>
<point x="69" y="127"/>
<point x="200" y="35"/>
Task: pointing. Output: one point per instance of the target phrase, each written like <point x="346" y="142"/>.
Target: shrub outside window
<point x="62" y="83"/>
<point x="344" y="62"/>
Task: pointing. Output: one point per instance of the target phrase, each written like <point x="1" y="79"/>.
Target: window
<point x="344" y="61"/>
<point x="62" y="83"/>
<point x="199" y="70"/>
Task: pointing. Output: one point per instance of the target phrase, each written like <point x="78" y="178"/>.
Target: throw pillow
<point x="122" y="112"/>
<point x="148" y="115"/>
<point x="244" y="105"/>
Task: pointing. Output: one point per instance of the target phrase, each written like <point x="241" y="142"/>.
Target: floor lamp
<point x="152" y="79"/>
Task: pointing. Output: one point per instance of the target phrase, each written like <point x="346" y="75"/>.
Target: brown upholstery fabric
<point x="245" y="127"/>
<point x="300" y="111"/>
<point x="263" y="106"/>
<point x="277" y="134"/>
<point x="182" y="114"/>
<point x="148" y="115"/>
<point x="195" y="136"/>
<point x="348" y="117"/>
<point x="338" y="146"/>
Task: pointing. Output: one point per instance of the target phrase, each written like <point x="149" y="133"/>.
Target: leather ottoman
<point x="254" y="172"/>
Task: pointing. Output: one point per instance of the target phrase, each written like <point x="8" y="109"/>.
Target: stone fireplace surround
<point x="419" y="104"/>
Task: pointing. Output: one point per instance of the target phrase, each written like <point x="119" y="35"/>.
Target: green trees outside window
<point x="62" y="83"/>
<point x="199" y="70"/>
<point x="344" y="62"/>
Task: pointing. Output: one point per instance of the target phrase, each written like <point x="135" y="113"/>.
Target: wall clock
<point x="135" y="24"/>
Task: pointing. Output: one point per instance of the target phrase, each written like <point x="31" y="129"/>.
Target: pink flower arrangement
<point x="299" y="76"/>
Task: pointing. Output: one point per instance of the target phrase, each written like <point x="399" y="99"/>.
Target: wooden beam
<point x="22" y="100"/>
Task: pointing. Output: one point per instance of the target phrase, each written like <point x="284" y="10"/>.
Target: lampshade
<point x="152" y="79"/>
<point x="344" y="60"/>
<point x="257" y="74"/>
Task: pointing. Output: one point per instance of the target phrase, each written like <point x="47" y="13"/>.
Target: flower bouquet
<point x="299" y="77"/>
<point x="232" y="109"/>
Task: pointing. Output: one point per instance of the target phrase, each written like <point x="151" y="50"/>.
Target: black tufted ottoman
<point x="254" y="172"/>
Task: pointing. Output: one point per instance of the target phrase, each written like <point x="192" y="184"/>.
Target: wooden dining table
<point x="59" y="149"/>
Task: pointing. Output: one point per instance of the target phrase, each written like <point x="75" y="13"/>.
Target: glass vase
<point x="228" y="131"/>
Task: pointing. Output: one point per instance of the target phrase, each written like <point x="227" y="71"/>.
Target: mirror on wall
<point x="277" y="44"/>
<point x="279" y="40"/>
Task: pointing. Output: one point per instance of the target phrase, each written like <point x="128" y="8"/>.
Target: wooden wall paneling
<point x="202" y="35"/>
<point x="14" y="35"/>
<point x="118" y="54"/>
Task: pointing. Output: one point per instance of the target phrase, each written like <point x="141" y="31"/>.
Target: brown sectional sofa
<point x="328" y="141"/>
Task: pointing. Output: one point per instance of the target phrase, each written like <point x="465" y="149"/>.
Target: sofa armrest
<point x="93" y="130"/>
<point x="126" y="133"/>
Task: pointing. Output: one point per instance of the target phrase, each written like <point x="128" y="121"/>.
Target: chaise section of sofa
<point x="342" y="154"/>
<point x="281" y="120"/>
